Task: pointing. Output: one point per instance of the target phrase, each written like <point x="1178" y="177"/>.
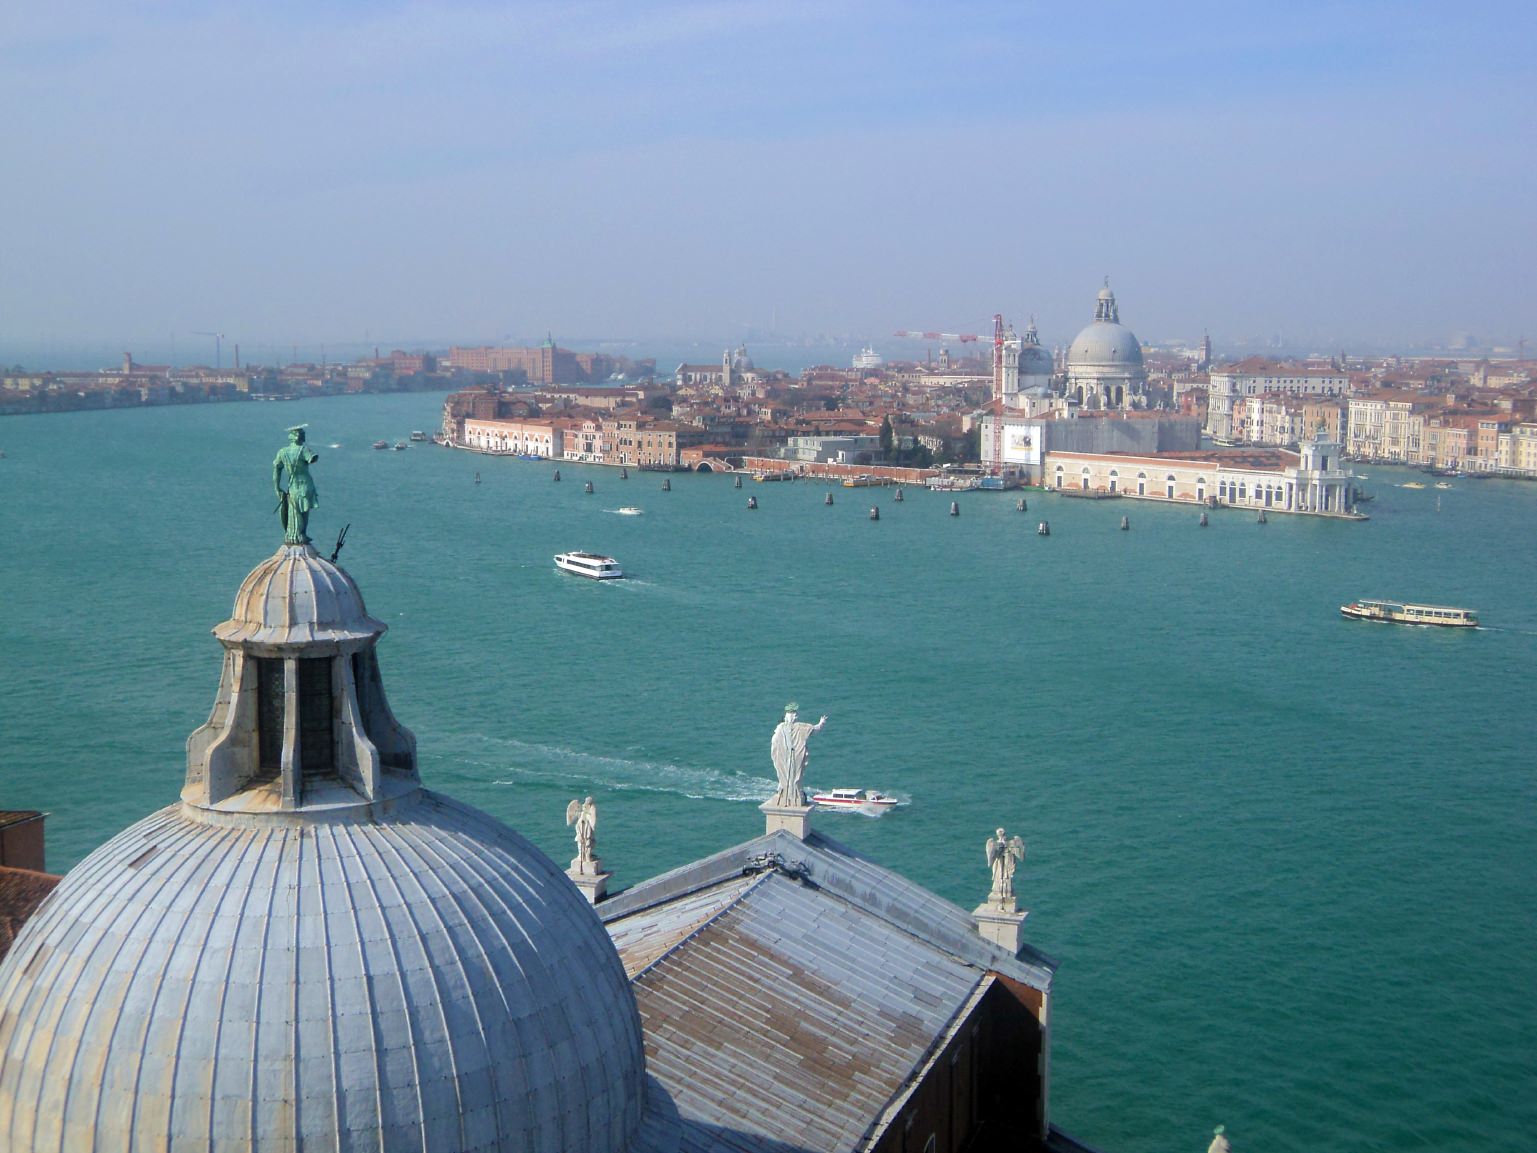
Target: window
<point x="269" y="712"/>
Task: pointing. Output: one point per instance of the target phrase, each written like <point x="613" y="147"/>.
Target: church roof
<point x="810" y="982"/>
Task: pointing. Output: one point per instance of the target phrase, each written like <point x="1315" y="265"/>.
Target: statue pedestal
<point x="793" y="819"/>
<point x="593" y="883"/>
<point x="1001" y="924"/>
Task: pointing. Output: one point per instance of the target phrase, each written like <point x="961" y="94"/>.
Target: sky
<point x="299" y="171"/>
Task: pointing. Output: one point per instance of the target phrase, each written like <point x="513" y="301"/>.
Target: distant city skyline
<point x="1349" y="176"/>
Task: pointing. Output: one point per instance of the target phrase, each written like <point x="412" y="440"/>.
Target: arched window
<point x="1142" y="484"/>
<point x="1083" y="481"/>
<point x="1115" y="482"/>
<point x="1169" y="486"/>
<point x="1200" y="488"/>
<point x="1059" y="476"/>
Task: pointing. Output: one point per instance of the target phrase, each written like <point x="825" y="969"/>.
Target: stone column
<point x="1001" y="923"/>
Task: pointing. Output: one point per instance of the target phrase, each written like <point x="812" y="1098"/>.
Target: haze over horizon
<point x="293" y="174"/>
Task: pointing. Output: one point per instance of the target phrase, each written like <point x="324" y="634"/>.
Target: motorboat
<point x="630" y="510"/>
<point x="589" y="564"/>
<point x="418" y="435"/>
<point x="1401" y="613"/>
<point x="857" y="800"/>
<point x="400" y="446"/>
<point x="1411" y="484"/>
<point x="381" y="444"/>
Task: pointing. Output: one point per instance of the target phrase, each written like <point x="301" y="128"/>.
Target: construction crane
<point x="218" y="347"/>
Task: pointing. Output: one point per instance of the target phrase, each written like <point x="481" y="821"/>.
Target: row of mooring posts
<point x="1043" y="529"/>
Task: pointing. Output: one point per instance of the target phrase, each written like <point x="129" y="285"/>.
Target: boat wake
<point x="520" y="762"/>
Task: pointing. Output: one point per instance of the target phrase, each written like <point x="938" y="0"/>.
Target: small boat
<point x="418" y="435"/>
<point x="856" y="800"/>
<point x="400" y="446"/>
<point x="381" y="444"/>
<point x="1401" y="613"/>
<point x="1411" y="484"/>
<point x="860" y="481"/>
<point x="630" y="510"/>
<point x="1442" y="484"/>
<point x="589" y="564"/>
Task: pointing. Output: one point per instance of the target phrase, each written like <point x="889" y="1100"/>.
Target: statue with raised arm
<point x="298" y="496"/>
<point x="788" y="749"/>
<point x="1003" y="854"/>
<point x="584" y="815"/>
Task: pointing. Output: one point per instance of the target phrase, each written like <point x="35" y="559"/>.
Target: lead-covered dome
<point x="294" y="596"/>
<point x="310" y="951"/>
<point x="1106" y="343"/>
<point x="427" y="981"/>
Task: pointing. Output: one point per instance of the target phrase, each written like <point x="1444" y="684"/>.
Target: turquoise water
<point x="1285" y="861"/>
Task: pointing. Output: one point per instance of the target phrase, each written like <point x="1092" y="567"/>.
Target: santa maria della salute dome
<point x="310" y="951"/>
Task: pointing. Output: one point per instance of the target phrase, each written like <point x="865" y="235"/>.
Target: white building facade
<point x="1230" y="383"/>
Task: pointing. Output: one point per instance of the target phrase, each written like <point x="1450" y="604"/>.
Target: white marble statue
<point x="788" y="748"/>
<point x="1003" y="854"/>
<point x="584" y="815"/>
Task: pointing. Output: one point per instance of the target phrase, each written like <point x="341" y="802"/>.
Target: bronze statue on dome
<point x="295" y="501"/>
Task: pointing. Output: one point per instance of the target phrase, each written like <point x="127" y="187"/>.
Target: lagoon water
<point x="1287" y="863"/>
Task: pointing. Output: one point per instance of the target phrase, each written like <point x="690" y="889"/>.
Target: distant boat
<point x="381" y="444"/>
<point x="418" y="435"/>
<point x="1442" y="484"/>
<point x="589" y="564"/>
<point x="1412" y="484"/>
<point x="1401" y="613"/>
<point x="400" y="446"/>
<point x="856" y="800"/>
<point x="630" y="510"/>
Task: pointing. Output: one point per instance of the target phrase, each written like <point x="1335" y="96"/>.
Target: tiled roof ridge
<point x="673" y="948"/>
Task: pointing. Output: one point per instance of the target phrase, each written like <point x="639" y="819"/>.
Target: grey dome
<point x="1104" y="344"/>
<point x="295" y="596"/>
<point x="425" y="980"/>
<point x="1034" y="361"/>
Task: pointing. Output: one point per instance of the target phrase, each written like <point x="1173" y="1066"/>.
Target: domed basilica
<point x="1104" y="361"/>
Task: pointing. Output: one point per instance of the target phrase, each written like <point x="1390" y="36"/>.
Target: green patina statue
<point x="295" y="502"/>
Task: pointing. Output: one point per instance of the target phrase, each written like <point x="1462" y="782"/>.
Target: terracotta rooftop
<point x="21" y="892"/>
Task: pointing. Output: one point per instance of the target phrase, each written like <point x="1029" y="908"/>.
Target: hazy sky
<point x="312" y="170"/>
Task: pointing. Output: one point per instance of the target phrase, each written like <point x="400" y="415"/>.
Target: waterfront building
<point x="1311" y="481"/>
<point x="310" y="950"/>
<point x="1256" y="376"/>
<point x="1027" y="440"/>
<point x="1104" y="361"/>
<point x="515" y="437"/>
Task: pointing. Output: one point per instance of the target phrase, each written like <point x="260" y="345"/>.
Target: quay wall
<point x="810" y="470"/>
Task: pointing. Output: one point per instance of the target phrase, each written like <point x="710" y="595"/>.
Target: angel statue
<point x="1003" y="853"/>
<point x="584" y="815"/>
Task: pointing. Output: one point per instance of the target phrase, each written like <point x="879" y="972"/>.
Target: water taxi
<point x="1400" y="613"/>
<point x="381" y="444"/>
<point x="863" y="480"/>
<point x="630" y="510"/>
<point x="860" y="800"/>
<point x="418" y="435"/>
<point x="589" y="564"/>
<point x="1412" y="484"/>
